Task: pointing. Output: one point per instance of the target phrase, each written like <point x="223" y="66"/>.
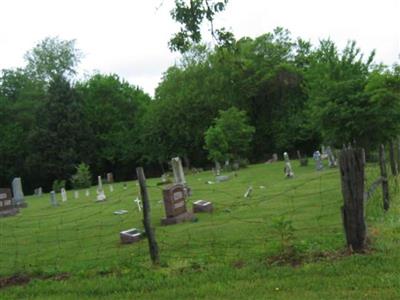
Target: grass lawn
<point x="285" y="242"/>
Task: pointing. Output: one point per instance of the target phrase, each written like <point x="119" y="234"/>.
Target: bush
<point x="82" y="178"/>
<point x="58" y="185"/>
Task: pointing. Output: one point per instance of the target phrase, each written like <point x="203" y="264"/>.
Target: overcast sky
<point x="129" y="37"/>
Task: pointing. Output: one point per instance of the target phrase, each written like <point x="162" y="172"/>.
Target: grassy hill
<point x="285" y="242"/>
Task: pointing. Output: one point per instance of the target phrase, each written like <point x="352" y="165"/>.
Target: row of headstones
<point x="326" y="153"/>
<point x="101" y="196"/>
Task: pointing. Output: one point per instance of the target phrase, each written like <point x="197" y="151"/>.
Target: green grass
<point x="235" y="253"/>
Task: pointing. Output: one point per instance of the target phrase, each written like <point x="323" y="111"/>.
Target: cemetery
<point x="199" y="150"/>
<point x="225" y="230"/>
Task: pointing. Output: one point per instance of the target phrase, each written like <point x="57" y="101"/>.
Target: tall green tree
<point x="53" y="58"/>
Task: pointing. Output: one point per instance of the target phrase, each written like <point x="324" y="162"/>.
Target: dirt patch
<point x="238" y="264"/>
<point x="22" y="279"/>
<point x="298" y="259"/>
<point x="14" y="280"/>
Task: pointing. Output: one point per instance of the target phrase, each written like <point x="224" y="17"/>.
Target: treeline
<point x="295" y="95"/>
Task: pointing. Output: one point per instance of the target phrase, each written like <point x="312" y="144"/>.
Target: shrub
<point x="82" y="178"/>
<point x="58" y="185"/>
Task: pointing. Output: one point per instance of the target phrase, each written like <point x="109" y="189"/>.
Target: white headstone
<point x="76" y="194"/>
<point x="64" y="195"/>
<point x="53" y="200"/>
<point x="18" y="194"/>
<point x="288" y="167"/>
<point x="179" y="175"/>
<point x="331" y="157"/>
<point x="87" y="193"/>
<point x="318" y="161"/>
<point x="111" y="188"/>
<point x="101" y="196"/>
<point x="40" y="191"/>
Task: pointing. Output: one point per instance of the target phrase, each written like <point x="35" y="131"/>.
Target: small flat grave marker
<point x="130" y="236"/>
<point x="222" y="178"/>
<point x="202" y="206"/>
<point x="120" y="212"/>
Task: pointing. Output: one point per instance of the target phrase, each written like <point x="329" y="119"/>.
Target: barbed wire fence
<point x="288" y="222"/>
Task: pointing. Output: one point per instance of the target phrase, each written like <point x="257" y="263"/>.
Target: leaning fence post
<point x="385" y="183"/>
<point x="153" y="247"/>
<point x="352" y="178"/>
<point x="393" y="162"/>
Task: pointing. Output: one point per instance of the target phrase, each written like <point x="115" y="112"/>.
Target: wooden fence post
<point x="398" y="152"/>
<point x="393" y="162"/>
<point x="352" y="178"/>
<point x="153" y="247"/>
<point x="385" y="183"/>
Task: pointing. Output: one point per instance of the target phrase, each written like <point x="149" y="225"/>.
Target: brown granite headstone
<point x="175" y="205"/>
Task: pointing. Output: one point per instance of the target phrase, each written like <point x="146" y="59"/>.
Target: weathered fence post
<point x="398" y="152"/>
<point x="393" y="162"/>
<point x="385" y="183"/>
<point x="153" y="247"/>
<point x="352" y="178"/>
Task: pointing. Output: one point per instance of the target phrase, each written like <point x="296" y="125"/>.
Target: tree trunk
<point x="352" y="178"/>
<point x="385" y="184"/>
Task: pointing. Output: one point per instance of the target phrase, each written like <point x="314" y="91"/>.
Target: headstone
<point x="64" y="197"/>
<point x="18" y="194"/>
<point x="318" y="161"/>
<point x="273" y="159"/>
<point x="40" y="191"/>
<point x="6" y="204"/>
<point x="202" y="206"/>
<point x="179" y="175"/>
<point x="323" y="153"/>
<point x="110" y="177"/>
<point x="222" y="178"/>
<point x="53" y="200"/>
<point x="248" y="192"/>
<point x="111" y="187"/>
<point x="101" y="196"/>
<point x="217" y="168"/>
<point x="175" y="205"/>
<point x="76" y="194"/>
<point x="331" y="158"/>
<point x="288" y="167"/>
<point x="130" y="236"/>
<point x="87" y="193"/>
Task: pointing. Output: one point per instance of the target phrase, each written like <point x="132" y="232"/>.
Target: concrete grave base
<point x="202" y="206"/>
<point x="9" y="212"/>
<point x="130" y="236"/>
<point x="186" y="216"/>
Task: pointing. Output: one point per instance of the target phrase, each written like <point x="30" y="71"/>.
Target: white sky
<point x="129" y="37"/>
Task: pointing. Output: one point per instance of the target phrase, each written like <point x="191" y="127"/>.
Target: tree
<point x="191" y="14"/>
<point x="349" y="103"/>
<point x="113" y="108"/>
<point x="230" y="136"/>
<point x="62" y="134"/>
<point x="52" y="58"/>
